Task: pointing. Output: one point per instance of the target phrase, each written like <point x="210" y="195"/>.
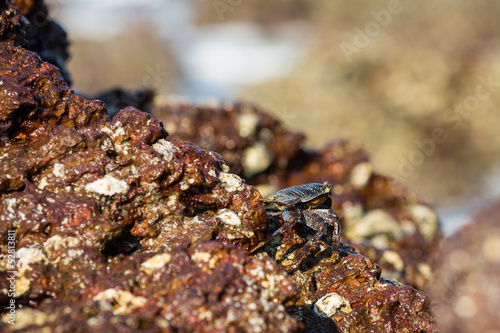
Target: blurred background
<point x="417" y="84"/>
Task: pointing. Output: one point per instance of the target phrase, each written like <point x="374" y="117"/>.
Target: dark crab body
<point x="305" y="204"/>
<point x="311" y="195"/>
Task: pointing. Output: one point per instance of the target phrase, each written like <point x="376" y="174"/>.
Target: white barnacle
<point x="231" y="181"/>
<point x="156" y="262"/>
<point x="125" y="302"/>
<point x="172" y="199"/>
<point x="247" y="124"/>
<point x="42" y="183"/>
<point x="24" y="258"/>
<point x="166" y="148"/>
<point x="27" y="256"/>
<point x="360" y="174"/>
<point x="426" y="219"/>
<point x="330" y="304"/>
<point x="201" y="257"/>
<point x="256" y="159"/>
<point x="58" y="170"/>
<point x="228" y="217"/>
<point x="108" y="185"/>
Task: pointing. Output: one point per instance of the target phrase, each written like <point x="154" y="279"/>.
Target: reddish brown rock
<point x="354" y="296"/>
<point x="209" y="287"/>
<point x="82" y="193"/>
<point x="13" y="24"/>
<point x="149" y="190"/>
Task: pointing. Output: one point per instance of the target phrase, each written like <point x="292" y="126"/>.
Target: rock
<point x="70" y="158"/>
<point x="207" y="287"/>
<point x="13" y="23"/>
<point x="467" y="280"/>
<point x="107" y="215"/>
<point x="352" y="295"/>
<point x="380" y="218"/>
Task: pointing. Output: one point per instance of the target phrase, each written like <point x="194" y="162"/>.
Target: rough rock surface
<point x="352" y="295"/>
<point x="381" y="218"/>
<point x="467" y="284"/>
<point x="208" y="287"/>
<point x="119" y="229"/>
<point x="13" y="24"/>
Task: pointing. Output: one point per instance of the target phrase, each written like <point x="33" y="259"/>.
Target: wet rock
<point x="13" y="23"/>
<point x="467" y="284"/>
<point x="207" y="287"/>
<point x="60" y="152"/>
<point x="351" y="294"/>
<point x="37" y="215"/>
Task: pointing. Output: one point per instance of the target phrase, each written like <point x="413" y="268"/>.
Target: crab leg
<point x="285" y="200"/>
<point x="309" y="245"/>
<point x="336" y="236"/>
<point x="291" y="217"/>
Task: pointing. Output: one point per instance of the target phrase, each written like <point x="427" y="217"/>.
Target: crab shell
<point x="312" y="194"/>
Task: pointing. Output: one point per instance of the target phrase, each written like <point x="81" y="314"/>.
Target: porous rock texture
<point x="119" y="228"/>
<point x="209" y="287"/>
<point x="352" y="295"/>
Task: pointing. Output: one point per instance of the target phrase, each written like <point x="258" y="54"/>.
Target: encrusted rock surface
<point x="119" y="228"/>
<point x="209" y="287"/>
<point x="467" y="284"/>
<point x="13" y="25"/>
<point x="352" y="294"/>
<point x="61" y="150"/>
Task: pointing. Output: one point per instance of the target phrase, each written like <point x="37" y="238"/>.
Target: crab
<point x="304" y="204"/>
